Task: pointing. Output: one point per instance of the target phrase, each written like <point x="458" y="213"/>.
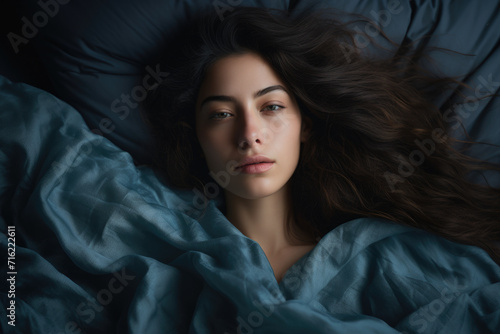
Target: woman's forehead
<point x="248" y="70"/>
<point x="236" y="74"/>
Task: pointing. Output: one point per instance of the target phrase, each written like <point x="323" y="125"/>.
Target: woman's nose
<point x="250" y="131"/>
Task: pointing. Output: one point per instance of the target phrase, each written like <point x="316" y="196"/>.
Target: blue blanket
<point x="102" y="246"/>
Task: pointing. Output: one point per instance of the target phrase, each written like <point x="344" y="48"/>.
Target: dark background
<point x="24" y="66"/>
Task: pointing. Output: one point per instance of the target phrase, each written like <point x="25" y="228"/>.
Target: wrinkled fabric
<point x="104" y="246"/>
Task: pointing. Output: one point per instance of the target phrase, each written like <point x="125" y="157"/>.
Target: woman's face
<point x="249" y="126"/>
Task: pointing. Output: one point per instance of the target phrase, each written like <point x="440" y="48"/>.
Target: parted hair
<point x="378" y="146"/>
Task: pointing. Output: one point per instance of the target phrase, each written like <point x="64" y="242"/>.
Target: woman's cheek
<point x="216" y="152"/>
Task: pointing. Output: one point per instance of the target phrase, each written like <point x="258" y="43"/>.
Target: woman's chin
<point x="251" y="194"/>
<point x="254" y="190"/>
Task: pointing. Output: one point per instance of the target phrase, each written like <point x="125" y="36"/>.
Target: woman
<point x="303" y="134"/>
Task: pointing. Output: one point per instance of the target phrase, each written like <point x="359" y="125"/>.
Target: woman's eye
<point x="273" y="107"/>
<point x="220" y="115"/>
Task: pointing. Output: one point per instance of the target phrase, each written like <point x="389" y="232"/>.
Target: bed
<point x="102" y="245"/>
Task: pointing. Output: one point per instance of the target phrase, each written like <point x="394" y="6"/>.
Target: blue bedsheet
<point x="104" y="247"/>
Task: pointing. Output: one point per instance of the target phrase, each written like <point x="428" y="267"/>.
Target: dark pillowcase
<point x="103" y="56"/>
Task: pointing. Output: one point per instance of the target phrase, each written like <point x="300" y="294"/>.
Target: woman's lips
<point x="256" y="168"/>
<point x="255" y="164"/>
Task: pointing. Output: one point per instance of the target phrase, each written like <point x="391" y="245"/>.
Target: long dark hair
<point x="378" y="146"/>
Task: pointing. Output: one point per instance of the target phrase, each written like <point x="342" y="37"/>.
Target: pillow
<point x="472" y="32"/>
<point x="102" y="56"/>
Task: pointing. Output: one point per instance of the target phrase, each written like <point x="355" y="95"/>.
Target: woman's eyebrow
<point x="225" y="98"/>
<point x="270" y="89"/>
<point x="221" y="98"/>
